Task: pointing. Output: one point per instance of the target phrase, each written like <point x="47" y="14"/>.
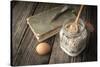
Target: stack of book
<point x="42" y="25"/>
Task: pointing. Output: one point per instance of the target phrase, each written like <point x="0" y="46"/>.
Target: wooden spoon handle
<point x="77" y="18"/>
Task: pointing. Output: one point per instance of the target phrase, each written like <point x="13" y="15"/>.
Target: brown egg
<point x="43" y="48"/>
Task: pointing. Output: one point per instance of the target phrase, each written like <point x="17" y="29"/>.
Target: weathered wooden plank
<point x="59" y="56"/>
<point x="18" y="22"/>
<point x="26" y="53"/>
<point x="45" y="6"/>
<point x="25" y="42"/>
<point x="89" y="54"/>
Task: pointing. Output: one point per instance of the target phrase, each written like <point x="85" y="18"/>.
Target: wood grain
<point x="23" y="41"/>
<point x="90" y="52"/>
<point x="26" y="54"/>
<point x="19" y="14"/>
<point x="59" y="56"/>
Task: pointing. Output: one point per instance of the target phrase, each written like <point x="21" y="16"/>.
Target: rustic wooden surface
<point x="23" y="41"/>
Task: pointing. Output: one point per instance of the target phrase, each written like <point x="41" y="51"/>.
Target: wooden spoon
<point x="73" y="28"/>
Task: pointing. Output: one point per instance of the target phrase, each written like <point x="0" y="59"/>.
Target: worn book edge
<point x="46" y="35"/>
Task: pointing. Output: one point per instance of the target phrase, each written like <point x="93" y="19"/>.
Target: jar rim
<point x="69" y="34"/>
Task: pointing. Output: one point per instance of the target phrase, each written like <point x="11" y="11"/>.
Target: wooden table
<point x="23" y="41"/>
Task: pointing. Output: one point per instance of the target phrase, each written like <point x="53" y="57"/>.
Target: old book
<point x="42" y="25"/>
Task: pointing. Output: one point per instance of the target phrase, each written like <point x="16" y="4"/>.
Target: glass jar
<point x="73" y="43"/>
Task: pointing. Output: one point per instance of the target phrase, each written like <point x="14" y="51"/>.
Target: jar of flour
<point x="73" y="43"/>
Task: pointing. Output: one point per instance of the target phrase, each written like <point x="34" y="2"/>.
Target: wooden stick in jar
<point x="73" y="28"/>
<point x="77" y="18"/>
